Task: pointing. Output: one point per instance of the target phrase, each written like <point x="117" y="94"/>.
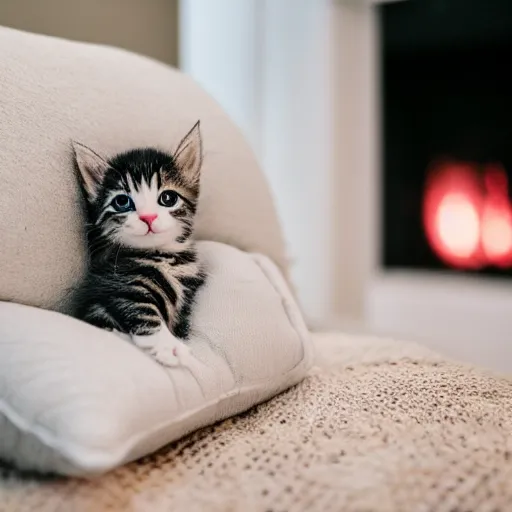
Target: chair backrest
<point x="53" y="91"/>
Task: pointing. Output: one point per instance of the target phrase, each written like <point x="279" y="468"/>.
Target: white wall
<point x="295" y="140"/>
<point x="266" y="62"/>
<point x="220" y="46"/>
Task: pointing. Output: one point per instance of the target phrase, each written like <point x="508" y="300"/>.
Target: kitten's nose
<point x="148" y="218"/>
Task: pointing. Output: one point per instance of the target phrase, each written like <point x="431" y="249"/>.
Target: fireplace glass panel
<point x="447" y="135"/>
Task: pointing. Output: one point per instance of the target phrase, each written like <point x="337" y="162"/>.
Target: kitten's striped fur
<point x="144" y="271"/>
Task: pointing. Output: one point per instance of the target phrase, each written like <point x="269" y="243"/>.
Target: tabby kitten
<point x="144" y="270"/>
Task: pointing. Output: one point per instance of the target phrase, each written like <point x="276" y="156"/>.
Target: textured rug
<point x="377" y="426"/>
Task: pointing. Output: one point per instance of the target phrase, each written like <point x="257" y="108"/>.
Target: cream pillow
<point x="80" y="401"/>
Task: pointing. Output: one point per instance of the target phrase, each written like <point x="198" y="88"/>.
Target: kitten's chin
<point x="153" y="242"/>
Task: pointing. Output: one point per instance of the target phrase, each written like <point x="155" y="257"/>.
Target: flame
<point x="458" y="225"/>
<point x="497" y="218"/>
<point x="468" y="221"/>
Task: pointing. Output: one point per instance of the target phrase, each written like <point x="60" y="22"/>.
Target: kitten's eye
<point x="169" y="199"/>
<point x="123" y="203"/>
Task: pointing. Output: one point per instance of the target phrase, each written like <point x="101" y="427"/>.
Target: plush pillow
<point x="80" y="401"/>
<point x="53" y="91"/>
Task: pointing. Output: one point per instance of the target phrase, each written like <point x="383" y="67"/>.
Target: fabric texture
<point x="378" y="425"/>
<point x="79" y="400"/>
<point x="54" y="91"/>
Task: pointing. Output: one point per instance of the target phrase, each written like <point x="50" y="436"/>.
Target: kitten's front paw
<point x="166" y="356"/>
<point x="171" y="354"/>
<point x="163" y="347"/>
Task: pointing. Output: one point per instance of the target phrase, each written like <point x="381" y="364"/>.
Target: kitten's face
<point x="145" y="204"/>
<point x="143" y="199"/>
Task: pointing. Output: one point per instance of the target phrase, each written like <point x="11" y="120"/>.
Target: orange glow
<point x="497" y="218"/>
<point x="468" y="219"/>
<point x="458" y="225"/>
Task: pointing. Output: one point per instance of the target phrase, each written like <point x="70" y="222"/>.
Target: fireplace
<point x="444" y="221"/>
<point x="447" y="136"/>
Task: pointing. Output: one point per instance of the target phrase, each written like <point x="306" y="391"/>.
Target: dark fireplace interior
<point x="447" y="135"/>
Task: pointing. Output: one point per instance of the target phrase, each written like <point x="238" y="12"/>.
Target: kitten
<point x="144" y="270"/>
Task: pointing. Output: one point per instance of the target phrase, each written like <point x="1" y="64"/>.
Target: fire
<point x="467" y="219"/>
<point x="458" y="225"/>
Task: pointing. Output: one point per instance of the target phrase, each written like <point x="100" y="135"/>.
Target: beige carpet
<point x="378" y="426"/>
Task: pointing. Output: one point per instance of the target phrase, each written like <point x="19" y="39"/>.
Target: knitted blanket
<point x="377" y="426"/>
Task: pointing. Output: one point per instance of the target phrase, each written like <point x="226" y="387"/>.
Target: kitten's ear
<point x="189" y="155"/>
<point x="92" y="168"/>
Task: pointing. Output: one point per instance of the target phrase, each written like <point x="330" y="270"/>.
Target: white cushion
<point x="78" y="400"/>
<point x="53" y="91"/>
